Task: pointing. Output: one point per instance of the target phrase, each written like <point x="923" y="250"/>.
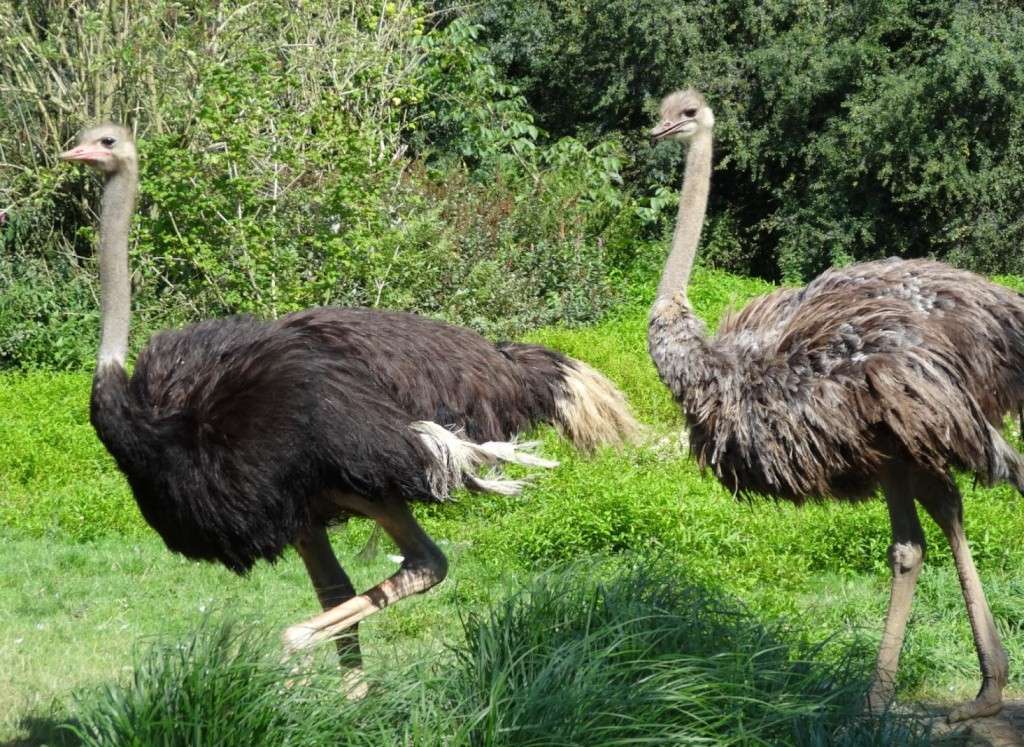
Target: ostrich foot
<point x="879" y="700"/>
<point x="354" y="685"/>
<point x="414" y="577"/>
<point x="297" y="638"/>
<point x="298" y="655"/>
<point x="988" y="703"/>
<point x="299" y="666"/>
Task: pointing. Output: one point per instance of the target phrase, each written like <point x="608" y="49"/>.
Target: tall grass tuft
<point x="646" y="658"/>
<point x="642" y="658"/>
<point x="224" y="685"/>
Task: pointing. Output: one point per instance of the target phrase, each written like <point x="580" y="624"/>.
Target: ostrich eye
<point x="689" y="112"/>
<point x="107" y="142"/>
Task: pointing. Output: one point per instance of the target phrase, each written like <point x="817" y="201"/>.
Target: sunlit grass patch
<point x="643" y="657"/>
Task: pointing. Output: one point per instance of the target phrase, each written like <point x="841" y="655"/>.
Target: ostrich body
<point x="240" y="437"/>
<point x="883" y="374"/>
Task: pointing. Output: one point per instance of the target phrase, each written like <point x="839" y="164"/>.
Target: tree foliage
<point x="488" y="163"/>
<point x="292" y="154"/>
<point x="846" y="131"/>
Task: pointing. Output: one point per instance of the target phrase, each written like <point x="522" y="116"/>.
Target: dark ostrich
<point x="240" y="437"/>
<point x="884" y="374"/>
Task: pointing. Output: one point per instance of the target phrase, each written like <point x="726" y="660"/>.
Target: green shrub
<point x="245" y="119"/>
<point x="503" y="247"/>
<point x="846" y="131"/>
<point x="300" y="155"/>
<point x="48" y="317"/>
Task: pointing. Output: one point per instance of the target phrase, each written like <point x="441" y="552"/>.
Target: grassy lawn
<point x="85" y="584"/>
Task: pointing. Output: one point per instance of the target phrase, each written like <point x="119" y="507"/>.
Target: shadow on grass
<point x="42" y="731"/>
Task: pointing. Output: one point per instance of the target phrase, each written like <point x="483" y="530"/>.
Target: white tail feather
<point x="457" y="461"/>
<point x="512" y="452"/>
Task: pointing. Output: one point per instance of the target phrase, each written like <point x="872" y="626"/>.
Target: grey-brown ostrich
<point x="240" y="437"/>
<point x="884" y="374"/>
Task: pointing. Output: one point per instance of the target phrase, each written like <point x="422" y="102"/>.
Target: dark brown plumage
<point x="809" y="393"/>
<point x="884" y="374"/>
<point x="230" y="431"/>
<point x="240" y="437"/>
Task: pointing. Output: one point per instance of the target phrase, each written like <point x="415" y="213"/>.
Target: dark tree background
<point x="846" y="130"/>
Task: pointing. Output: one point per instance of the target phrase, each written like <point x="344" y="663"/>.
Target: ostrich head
<point x="106" y="148"/>
<point x="683" y="114"/>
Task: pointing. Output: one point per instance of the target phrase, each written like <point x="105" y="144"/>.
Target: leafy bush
<point x="43" y="314"/>
<point x="846" y="131"/>
<point x="291" y="156"/>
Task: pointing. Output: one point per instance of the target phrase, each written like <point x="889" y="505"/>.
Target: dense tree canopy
<point x="488" y="163"/>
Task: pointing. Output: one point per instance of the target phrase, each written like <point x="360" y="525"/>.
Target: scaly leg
<point x="332" y="585"/>
<point x="946" y="507"/>
<point x="906" y="556"/>
<point x="424" y="566"/>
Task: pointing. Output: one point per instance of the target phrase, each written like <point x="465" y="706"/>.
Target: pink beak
<point x="86" y="153"/>
<point x="666" y="128"/>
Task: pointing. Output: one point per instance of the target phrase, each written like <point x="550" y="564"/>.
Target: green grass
<point x="85" y="581"/>
<point x="635" y="658"/>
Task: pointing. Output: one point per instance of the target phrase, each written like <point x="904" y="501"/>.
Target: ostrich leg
<point x="331" y="583"/>
<point x="424" y="566"/>
<point x="945" y="505"/>
<point x="906" y="556"/>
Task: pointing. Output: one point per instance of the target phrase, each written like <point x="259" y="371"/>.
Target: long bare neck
<point x="115" y="284"/>
<point x="676" y="338"/>
<point x="693" y="203"/>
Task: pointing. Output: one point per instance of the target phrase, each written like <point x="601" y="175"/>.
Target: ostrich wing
<point x="813" y="389"/>
<point x="244" y="428"/>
